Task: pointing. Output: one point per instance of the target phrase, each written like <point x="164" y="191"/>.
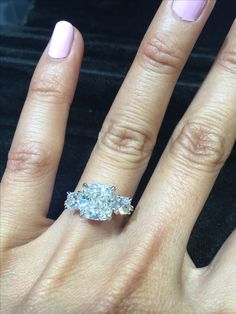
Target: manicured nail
<point x="189" y="10"/>
<point x="61" y="41"/>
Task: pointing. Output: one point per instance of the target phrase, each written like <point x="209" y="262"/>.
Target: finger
<point x="129" y="132"/>
<point x="220" y="277"/>
<point x="225" y="260"/>
<point x="194" y="156"/>
<point x="33" y="159"/>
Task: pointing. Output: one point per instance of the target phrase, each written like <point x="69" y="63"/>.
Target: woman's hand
<point x="139" y="265"/>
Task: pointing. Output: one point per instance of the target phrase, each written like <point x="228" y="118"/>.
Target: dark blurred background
<point x="112" y="30"/>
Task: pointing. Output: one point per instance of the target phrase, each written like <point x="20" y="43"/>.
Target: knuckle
<point x="31" y="158"/>
<point x="159" y="55"/>
<point x="200" y="147"/>
<point x="124" y="141"/>
<point x="227" y="60"/>
<point x="49" y="85"/>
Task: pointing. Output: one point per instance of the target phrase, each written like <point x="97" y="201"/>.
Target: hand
<point x="139" y="265"/>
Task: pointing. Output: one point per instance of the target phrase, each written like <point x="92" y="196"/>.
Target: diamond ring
<point x="98" y="202"/>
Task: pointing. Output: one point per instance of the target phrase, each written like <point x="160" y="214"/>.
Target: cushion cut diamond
<point x="98" y="202"/>
<point x="95" y="201"/>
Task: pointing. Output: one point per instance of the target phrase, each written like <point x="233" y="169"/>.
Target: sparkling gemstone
<point x="123" y="205"/>
<point x="98" y="202"/>
<point x="72" y="200"/>
<point x="95" y="201"/>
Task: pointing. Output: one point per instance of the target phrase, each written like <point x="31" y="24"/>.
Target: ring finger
<point x="129" y="132"/>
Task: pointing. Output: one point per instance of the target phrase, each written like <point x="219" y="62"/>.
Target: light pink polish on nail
<point x="61" y="41"/>
<point x="189" y="10"/>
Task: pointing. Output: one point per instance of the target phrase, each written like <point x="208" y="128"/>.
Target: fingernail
<point x="61" y="41"/>
<point x="189" y="10"/>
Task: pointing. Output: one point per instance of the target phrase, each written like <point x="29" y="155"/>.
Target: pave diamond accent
<point x="98" y="202"/>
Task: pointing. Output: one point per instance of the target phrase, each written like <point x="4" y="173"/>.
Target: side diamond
<point x="123" y="206"/>
<point x="72" y="200"/>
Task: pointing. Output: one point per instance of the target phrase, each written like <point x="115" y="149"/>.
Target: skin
<point x="138" y="265"/>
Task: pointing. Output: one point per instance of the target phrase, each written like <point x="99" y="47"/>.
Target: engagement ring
<point x="98" y="202"/>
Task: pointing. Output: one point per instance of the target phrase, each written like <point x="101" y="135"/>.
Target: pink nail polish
<point x="61" y="41"/>
<point x="189" y="10"/>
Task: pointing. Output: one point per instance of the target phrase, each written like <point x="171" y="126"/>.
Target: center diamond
<point x="95" y="201"/>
